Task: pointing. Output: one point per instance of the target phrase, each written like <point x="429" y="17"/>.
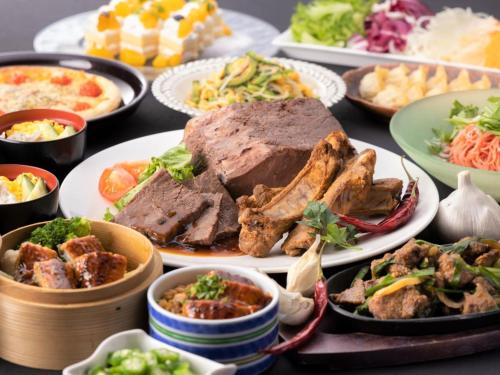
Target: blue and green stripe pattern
<point x="228" y="342"/>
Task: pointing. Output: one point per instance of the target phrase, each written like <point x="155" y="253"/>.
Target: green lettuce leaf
<point x="329" y="22"/>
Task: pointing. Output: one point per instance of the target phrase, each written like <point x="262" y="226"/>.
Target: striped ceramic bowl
<point x="237" y="340"/>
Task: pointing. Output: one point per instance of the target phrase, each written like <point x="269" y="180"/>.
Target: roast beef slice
<point x="162" y="208"/>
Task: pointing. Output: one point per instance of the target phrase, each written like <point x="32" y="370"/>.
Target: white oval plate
<point x="173" y="87"/>
<point x="138" y="339"/>
<point x="249" y="33"/>
<point x="79" y="196"/>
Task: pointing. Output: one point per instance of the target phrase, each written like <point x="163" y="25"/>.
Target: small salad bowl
<point x="138" y="339"/>
<point x="236" y="340"/>
<point x="14" y="215"/>
<point x="59" y="154"/>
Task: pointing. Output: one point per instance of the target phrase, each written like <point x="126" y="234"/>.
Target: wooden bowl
<point x="50" y="329"/>
<point x="352" y="79"/>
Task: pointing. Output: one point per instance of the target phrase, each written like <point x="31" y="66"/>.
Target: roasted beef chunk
<point x="480" y="301"/>
<point x="355" y="295"/>
<point x="351" y="185"/>
<point x="54" y="274"/>
<point x="203" y="230"/>
<point x="162" y="208"/>
<point x="75" y="247"/>
<point x="216" y="309"/>
<point x="249" y="144"/>
<point x="29" y="254"/>
<point x="263" y="227"/>
<point x="448" y="269"/>
<point x="207" y="182"/>
<point x="99" y="268"/>
<point x="404" y="303"/>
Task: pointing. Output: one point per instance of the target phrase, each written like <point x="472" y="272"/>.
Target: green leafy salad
<point x="329" y="22"/>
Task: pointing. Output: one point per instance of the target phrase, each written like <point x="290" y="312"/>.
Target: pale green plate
<point x="413" y="124"/>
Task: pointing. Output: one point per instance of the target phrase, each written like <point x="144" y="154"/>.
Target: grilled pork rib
<point x="263" y="227"/>
<point x="351" y="186"/>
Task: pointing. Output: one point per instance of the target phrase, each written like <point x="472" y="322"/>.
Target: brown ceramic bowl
<point x="15" y="215"/>
<point x="352" y="79"/>
<point x="59" y="154"/>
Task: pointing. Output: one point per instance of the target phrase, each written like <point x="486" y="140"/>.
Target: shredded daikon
<point x="455" y="34"/>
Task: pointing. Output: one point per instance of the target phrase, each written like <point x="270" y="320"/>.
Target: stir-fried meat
<point x="54" y="274"/>
<point x="376" y="267"/>
<point x="410" y="255"/>
<point x="75" y="247"/>
<point x="30" y="253"/>
<point x="355" y="295"/>
<point x="99" y="268"/>
<point x="204" y="229"/>
<point x="382" y="198"/>
<point x="398" y="270"/>
<point x="263" y="227"/>
<point x="404" y="303"/>
<point x="448" y="269"/>
<point x="216" y="309"/>
<point x="474" y="250"/>
<point x="480" y="301"/>
<point x="488" y="259"/>
<point x="485" y="283"/>
<point x="352" y="185"/>
<point x="249" y="294"/>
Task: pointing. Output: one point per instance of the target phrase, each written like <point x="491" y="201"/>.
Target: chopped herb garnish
<point x="208" y="286"/>
<point x="317" y="215"/>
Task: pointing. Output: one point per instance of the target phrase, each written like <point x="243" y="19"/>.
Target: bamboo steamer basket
<point x="51" y="329"/>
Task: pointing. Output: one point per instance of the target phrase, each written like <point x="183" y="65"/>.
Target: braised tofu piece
<point x="75" y="247"/>
<point x="54" y="274"/>
<point x="29" y="254"/>
<point x="98" y="268"/>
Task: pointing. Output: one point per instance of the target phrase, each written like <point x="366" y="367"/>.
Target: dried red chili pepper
<point x="399" y="216"/>
<point x="320" y="304"/>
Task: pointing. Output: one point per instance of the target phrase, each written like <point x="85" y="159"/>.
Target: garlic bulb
<point x="468" y="211"/>
<point x="303" y="274"/>
<point x="293" y="308"/>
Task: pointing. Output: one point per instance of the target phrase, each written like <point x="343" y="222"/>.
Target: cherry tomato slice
<point x="135" y="168"/>
<point x="90" y="88"/>
<point x="115" y="182"/>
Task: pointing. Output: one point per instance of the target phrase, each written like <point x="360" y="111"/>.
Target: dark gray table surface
<point x="20" y="20"/>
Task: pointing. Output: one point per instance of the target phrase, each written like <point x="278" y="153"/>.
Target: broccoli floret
<point x="59" y="231"/>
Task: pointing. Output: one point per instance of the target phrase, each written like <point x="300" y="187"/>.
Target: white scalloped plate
<point x="174" y="86"/>
<point x="78" y="201"/>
